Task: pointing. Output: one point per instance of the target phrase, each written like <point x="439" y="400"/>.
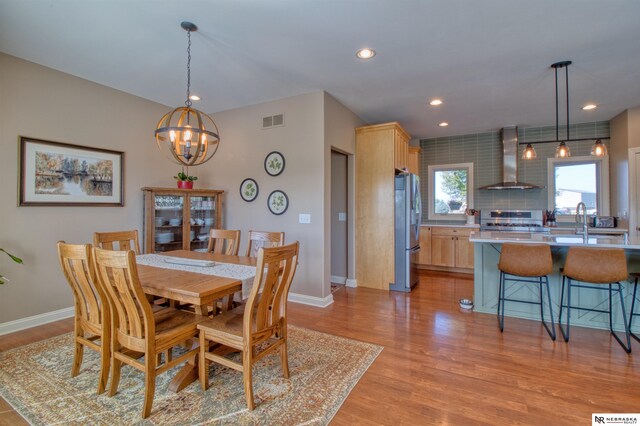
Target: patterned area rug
<point x="36" y="380"/>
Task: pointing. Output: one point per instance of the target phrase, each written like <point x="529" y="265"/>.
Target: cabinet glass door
<point x="168" y="224"/>
<point x="203" y="218"/>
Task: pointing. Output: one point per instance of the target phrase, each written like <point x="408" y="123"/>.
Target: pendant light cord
<point x="556" y="71"/>
<point x="566" y="79"/>
<point x="188" y="101"/>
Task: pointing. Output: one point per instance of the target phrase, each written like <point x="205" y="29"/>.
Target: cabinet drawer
<point x="452" y="232"/>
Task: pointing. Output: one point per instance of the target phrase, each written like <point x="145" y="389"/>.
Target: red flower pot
<point x="185" y="184"/>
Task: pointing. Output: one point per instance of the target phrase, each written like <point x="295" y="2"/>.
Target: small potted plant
<point x="184" y="180"/>
<point x="16" y="259"/>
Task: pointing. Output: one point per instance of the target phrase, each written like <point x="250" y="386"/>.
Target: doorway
<point x="339" y="220"/>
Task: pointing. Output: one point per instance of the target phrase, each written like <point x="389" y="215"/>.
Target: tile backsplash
<point x="484" y="150"/>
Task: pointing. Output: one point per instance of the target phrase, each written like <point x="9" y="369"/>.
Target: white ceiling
<point x="489" y="60"/>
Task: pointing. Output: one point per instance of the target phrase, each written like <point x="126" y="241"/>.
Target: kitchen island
<point x="486" y="276"/>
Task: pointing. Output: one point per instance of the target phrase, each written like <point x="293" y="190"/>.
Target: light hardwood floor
<point x="441" y="365"/>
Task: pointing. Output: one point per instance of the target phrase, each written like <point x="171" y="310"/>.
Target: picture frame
<point x="278" y="202"/>
<point x="249" y="190"/>
<point x="274" y="163"/>
<point x="62" y="174"/>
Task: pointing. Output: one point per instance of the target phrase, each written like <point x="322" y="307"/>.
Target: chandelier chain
<point x="188" y="101"/>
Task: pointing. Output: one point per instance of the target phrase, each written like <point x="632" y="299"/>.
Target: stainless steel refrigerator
<point x="408" y="215"/>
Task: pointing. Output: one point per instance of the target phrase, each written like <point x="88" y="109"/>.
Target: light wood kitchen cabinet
<point x="449" y="248"/>
<point x="414" y="160"/>
<point x="401" y="145"/>
<point x="424" y="257"/>
<point x="380" y="150"/>
<point x="443" y="250"/>
<point x="177" y="219"/>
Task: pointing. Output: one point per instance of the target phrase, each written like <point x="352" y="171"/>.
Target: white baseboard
<point x="338" y="280"/>
<point x="320" y="302"/>
<point x="36" y="320"/>
<point x="351" y="283"/>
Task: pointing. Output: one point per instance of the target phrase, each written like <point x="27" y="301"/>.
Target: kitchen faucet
<point x="585" y="228"/>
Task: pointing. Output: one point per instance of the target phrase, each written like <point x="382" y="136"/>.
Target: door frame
<point x="631" y="196"/>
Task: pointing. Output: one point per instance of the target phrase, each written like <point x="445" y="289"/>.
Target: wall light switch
<point x="304" y="218"/>
<point x="342" y="217"/>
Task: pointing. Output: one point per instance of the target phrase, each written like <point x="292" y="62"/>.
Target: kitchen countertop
<point x="592" y="230"/>
<point x="560" y="240"/>
<point x="451" y="225"/>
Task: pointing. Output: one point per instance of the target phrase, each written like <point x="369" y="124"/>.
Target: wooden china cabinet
<point x="180" y="218"/>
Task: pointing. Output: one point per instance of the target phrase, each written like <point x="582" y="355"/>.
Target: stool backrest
<point x="596" y="265"/>
<point x="526" y="260"/>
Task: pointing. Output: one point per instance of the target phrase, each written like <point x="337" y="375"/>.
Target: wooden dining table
<point x="199" y="290"/>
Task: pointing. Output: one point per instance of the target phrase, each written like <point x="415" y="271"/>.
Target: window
<point x="578" y="179"/>
<point x="450" y="191"/>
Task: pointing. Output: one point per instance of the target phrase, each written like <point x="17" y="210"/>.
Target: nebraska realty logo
<point x="615" y="419"/>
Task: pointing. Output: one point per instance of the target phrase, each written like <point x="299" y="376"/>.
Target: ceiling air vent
<point x="273" y="121"/>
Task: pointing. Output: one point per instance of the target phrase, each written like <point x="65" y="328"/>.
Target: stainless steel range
<point x="512" y="220"/>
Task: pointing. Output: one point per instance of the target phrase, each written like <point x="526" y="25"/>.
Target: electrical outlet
<point x="304" y="218"/>
<point x="342" y="217"/>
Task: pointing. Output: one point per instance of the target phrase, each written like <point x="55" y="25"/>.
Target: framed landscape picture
<point x="60" y="174"/>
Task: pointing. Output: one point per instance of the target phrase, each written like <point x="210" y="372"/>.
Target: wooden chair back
<point x="125" y="240"/>
<point x="132" y="314"/>
<point x="266" y="307"/>
<point x="92" y="314"/>
<point x="89" y="298"/>
<point x="218" y="238"/>
<point x="263" y="239"/>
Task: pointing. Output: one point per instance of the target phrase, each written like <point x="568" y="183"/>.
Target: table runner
<point x="228" y="270"/>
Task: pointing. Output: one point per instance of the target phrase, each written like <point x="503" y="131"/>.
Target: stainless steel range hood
<point x="509" y="138"/>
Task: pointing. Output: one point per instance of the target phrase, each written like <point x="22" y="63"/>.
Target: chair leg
<point x="247" y="377"/>
<point x="105" y="360"/>
<point x="552" y="330"/>
<point x="149" y="384"/>
<point x="116" y="365"/>
<point x="633" y="305"/>
<point x="626" y="347"/>
<point x="501" y="302"/>
<point x="77" y="358"/>
<point x="284" y="357"/>
<point x="203" y="370"/>
<point x="568" y="306"/>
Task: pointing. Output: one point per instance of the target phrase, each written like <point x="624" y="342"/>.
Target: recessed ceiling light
<point x="589" y="106"/>
<point x="443" y="124"/>
<point x="435" y="102"/>
<point x="366" y="53"/>
<point x="194" y="97"/>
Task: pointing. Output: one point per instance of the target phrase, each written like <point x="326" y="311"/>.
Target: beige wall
<point x="339" y="248"/>
<point x="43" y="103"/>
<point x="241" y="154"/>
<point x="340" y="135"/>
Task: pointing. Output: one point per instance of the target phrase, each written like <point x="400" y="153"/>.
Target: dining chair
<point x="136" y="328"/>
<point x="258" y="239"/>
<point x="218" y="238"/>
<point x="259" y="327"/>
<point x="125" y="240"/>
<point x="91" y="320"/>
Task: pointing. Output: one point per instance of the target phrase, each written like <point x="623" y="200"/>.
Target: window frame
<point x="602" y="183"/>
<point x="431" y="214"/>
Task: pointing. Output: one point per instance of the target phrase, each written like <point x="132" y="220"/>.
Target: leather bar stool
<point x="635" y="275"/>
<point x="526" y="263"/>
<point x="599" y="269"/>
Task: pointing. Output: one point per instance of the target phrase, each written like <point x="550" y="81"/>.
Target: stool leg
<point x="626" y="347"/>
<point x="552" y="330"/>
<point x="568" y="306"/>
<point x="501" y="302"/>
<point x="633" y="304"/>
